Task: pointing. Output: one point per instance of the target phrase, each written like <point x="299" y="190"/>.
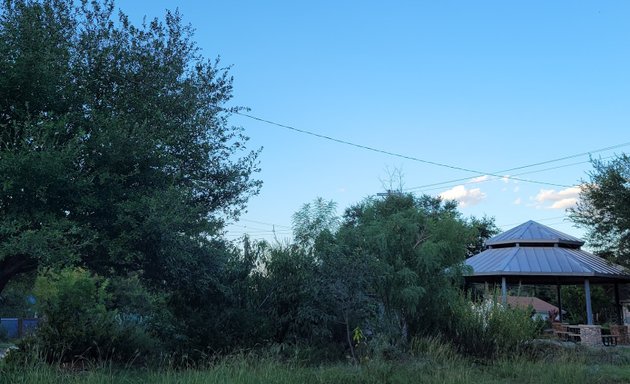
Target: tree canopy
<point x="417" y="245"/>
<point x="115" y="147"/>
<point x="604" y="209"/>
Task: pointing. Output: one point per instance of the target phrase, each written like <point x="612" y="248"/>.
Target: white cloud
<point x="517" y="188"/>
<point x="564" y="203"/>
<point x="465" y="197"/>
<point x="562" y="199"/>
<point x="517" y="201"/>
<point x="480" y="179"/>
<point x="506" y="179"/>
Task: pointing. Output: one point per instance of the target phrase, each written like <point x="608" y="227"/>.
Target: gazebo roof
<point x="535" y="253"/>
<point x="533" y="232"/>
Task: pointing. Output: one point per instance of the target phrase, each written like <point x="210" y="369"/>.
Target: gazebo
<point x="532" y="253"/>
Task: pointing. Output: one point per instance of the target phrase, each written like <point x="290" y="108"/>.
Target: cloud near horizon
<point x="465" y="197"/>
<point x="562" y="199"/>
<point x="479" y="179"/>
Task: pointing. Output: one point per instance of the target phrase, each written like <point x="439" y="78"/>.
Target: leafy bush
<point x="488" y="329"/>
<point x="78" y="325"/>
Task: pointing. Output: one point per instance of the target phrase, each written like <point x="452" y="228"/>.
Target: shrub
<point x="488" y="329"/>
<point x="78" y="325"/>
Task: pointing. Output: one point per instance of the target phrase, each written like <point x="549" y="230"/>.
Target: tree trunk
<point x="349" y="337"/>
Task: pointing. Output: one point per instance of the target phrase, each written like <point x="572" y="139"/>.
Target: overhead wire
<point x="496" y="175"/>
<point x="264" y="223"/>
<point x="492" y="179"/>
<point x="389" y="153"/>
<point x="530" y="165"/>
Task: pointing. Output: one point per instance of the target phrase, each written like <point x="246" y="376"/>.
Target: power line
<point x="389" y="153"/>
<point x="494" y="178"/>
<point x="253" y="230"/>
<point x="570" y="156"/>
<point x="265" y="223"/>
<point x="530" y="165"/>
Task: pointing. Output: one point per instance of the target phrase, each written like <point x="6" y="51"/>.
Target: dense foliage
<point x="604" y="209"/>
<point x="119" y="172"/>
<point x="115" y="153"/>
<point x="116" y="156"/>
<point x="389" y="271"/>
<point x="488" y="329"/>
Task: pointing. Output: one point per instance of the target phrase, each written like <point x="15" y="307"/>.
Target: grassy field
<point x="568" y="368"/>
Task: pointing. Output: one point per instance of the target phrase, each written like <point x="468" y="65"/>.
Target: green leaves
<point x="115" y="151"/>
<point x="604" y="209"/>
<point x="312" y="220"/>
<point x="416" y="244"/>
<point x="117" y="156"/>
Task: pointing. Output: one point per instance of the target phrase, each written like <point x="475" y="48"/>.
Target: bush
<point x="488" y="329"/>
<point x="78" y="325"/>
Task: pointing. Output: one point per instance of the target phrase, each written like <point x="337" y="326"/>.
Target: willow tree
<point x="416" y="248"/>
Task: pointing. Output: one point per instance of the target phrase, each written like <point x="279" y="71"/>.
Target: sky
<point x="463" y="91"/>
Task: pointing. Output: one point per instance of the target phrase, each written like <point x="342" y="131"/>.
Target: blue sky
<point x="482" y="85"/>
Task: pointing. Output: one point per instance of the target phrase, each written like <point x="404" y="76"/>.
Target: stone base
<point x="622" y="332"/>
<point x="590" y="334"/>
<point x="558" y="327"/>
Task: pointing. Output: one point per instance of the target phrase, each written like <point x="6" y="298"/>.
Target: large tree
<point x="604" y="209"/>
<point x="115" y="147"/>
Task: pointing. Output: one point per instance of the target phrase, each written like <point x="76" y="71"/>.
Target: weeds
<point x="431" y="361"/>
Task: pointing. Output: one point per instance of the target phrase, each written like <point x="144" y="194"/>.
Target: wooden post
<point x="589" y="309"/>
<point x="504" y="290"/>
<point x="559" y="303"/>
<point x="618" y="306"/>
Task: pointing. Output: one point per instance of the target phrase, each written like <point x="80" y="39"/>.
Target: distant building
<point x="540" y="307"/>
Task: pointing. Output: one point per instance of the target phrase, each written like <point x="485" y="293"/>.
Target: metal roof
<point x="539" y="305"/>
<point x="533" y="232"/>
<point x="546" y="255"/>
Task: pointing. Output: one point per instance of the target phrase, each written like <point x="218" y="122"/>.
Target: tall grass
<point x="431" y="361"/>
<point x="374" y="372"/>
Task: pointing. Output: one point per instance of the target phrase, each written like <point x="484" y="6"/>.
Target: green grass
<point x="431" y="361"/>
<point x="414" y="370"/>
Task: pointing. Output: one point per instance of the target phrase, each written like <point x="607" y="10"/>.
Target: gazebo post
<point x="618" y="306"/>
<point x="503" y="290"/>
<point x="559" y="303"/>
<point x="589" y="310"/>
